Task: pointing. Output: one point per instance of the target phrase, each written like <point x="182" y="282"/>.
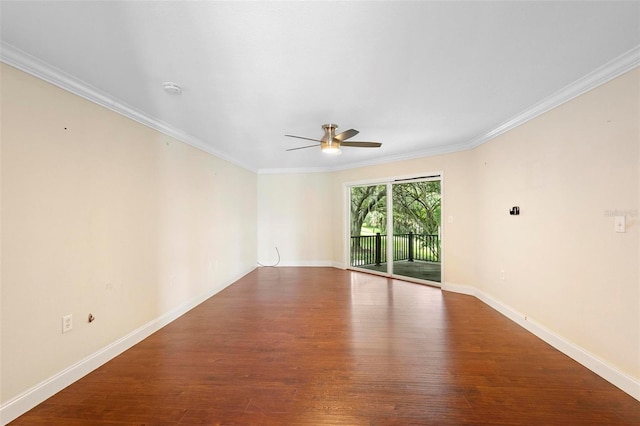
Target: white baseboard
<point x="608" y="372"/>
<point x="24" y="402"/>
<point x="304" y="263"/>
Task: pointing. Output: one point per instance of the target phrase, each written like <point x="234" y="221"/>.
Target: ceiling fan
<point x="331" y="143"/>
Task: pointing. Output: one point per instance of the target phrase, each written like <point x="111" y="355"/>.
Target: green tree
<point x="364" y="200"/>
<point x="416" y="207"/>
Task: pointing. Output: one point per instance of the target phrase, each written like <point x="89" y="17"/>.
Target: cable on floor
<point x="275" y="264"/>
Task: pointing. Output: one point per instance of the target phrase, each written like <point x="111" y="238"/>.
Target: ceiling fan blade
<point x="300" y="137"/>
<point x="346" y="134"/>
<point x="362" y="144"/>
<point x="303" y="147"/>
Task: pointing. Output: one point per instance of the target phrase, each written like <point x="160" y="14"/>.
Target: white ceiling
<point x="420" y="77"/>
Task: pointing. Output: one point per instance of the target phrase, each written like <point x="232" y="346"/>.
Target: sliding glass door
<point x="368" y="225"/>
<point x="400" y="234"/>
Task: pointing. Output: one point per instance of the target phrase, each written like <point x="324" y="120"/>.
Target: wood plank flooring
<point x="323" y="346"/>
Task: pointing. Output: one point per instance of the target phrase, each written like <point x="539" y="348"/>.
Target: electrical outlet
<point x="502" y="274"/>
<point x="67" y="323"/>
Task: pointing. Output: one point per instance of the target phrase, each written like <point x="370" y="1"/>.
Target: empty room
<point x="320" y="212"/>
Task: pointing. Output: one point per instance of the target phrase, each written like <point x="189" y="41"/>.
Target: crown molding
<point x="21" y="60"/>
<point x="607" y="72"/>
<point x="294" y="170"/>
<point x="612" y="69"/>
<point x="381" y="160"/>
<point x="31" y="65"/>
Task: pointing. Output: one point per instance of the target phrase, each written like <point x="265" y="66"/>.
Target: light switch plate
<point x="620" y="224"/>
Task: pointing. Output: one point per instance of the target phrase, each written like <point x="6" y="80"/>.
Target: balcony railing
<point x="372" y="249"/>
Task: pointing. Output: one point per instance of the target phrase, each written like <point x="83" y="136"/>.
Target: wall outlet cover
<point x="67" y="323"/>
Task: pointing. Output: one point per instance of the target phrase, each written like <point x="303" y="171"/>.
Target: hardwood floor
<point x="323" y="346"/>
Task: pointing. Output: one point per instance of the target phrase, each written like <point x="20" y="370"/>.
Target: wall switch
<point x="620" y="224"/>
<point x="67" y="323"/>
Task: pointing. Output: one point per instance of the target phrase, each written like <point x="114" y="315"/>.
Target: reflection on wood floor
<point x="324" y="346"/>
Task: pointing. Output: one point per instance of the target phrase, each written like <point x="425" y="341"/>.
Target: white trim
<point x="24" y="402"/>
<point x="346" y="226"/>
<point x="612" y="69"/>
<point x="443" y="233"/>
<point x="608" y="372"/>
<point x="390" y="230"/>
<point x="31" y="65"/>
<point x="340" y="265"/>
<point x="293" y="171"/>
<point x="389" y="182"/>
<point x="414" y="177"/>
<point x="36" y="67"/>
<point x="382" y="160"/>
<point x="307" y="263"/>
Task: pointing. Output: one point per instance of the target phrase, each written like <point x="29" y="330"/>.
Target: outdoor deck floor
<point x="429" y="271"/>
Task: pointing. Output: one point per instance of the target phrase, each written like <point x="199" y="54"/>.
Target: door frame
<point x="389" y="181"/>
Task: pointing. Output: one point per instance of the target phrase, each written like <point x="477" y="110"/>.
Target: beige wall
<point x="305" y="215"/>
<point x="295" y="215"/>
<point x="101" y="214"/>
<point x="457" y="202"/>
<point x="565" y="267"/>
<point x="110" y="217"/>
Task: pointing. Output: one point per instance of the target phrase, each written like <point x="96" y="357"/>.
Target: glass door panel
<point x="416" y="230"/>
<point x="368" y="227"/>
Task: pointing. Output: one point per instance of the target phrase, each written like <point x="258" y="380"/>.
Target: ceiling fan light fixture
<point x="330" y="147"/>
<point x="332" y="150"/>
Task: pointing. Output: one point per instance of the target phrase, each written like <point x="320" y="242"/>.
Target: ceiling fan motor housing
<point x="329" y="131"/>
<point x="329" y="144"/>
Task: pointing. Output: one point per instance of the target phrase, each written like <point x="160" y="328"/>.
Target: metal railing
<point x="371" y="249"/>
